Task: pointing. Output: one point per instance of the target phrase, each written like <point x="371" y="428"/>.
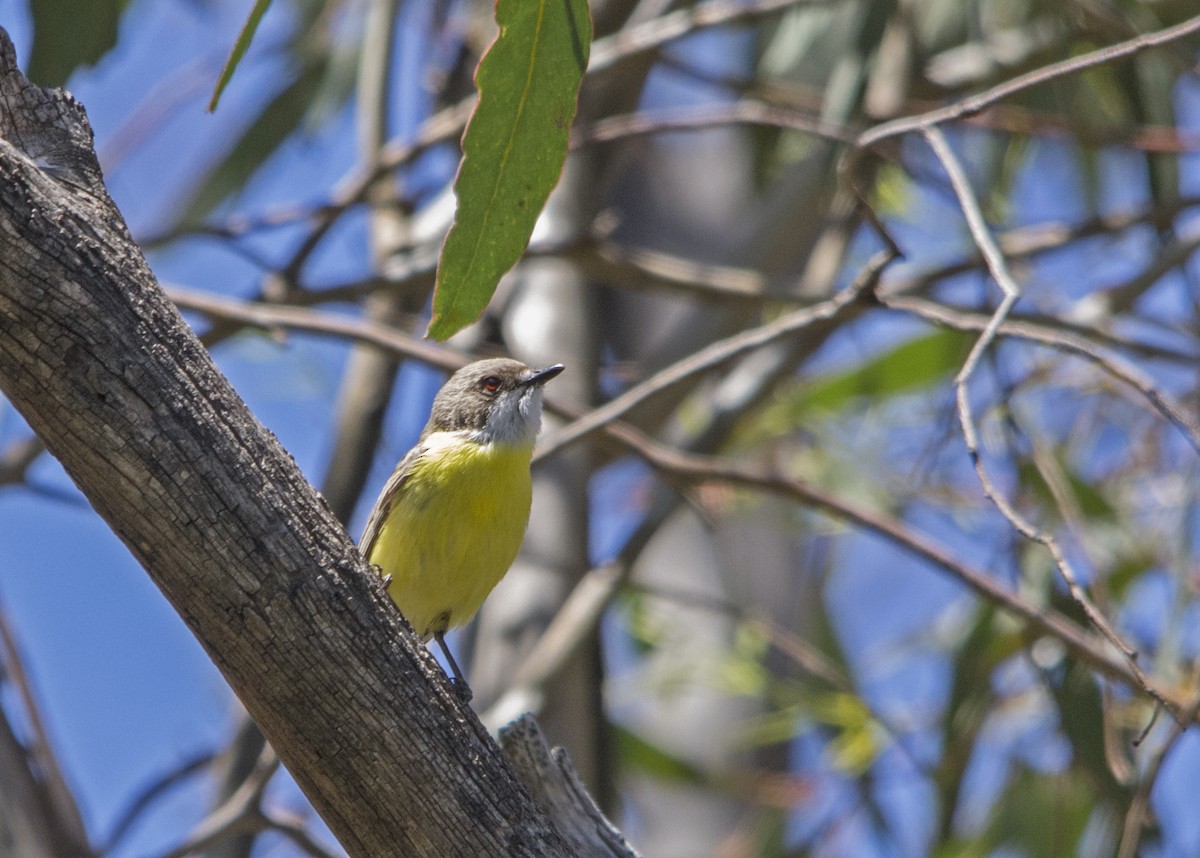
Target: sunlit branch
<point x="1065" y="341"/>
<point x="979" y="101"/>
<point x="653" y="34"/>
<point x="711" y="356"/>
<point x="274" y="316"/>
<point x="742" y="112"/>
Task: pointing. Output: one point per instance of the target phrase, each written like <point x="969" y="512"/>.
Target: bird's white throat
<point x="515" y="418"/>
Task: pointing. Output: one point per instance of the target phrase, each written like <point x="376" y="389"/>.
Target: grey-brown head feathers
<point x="495" y="400"/>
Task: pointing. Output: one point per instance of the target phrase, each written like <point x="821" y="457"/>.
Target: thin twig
<point x="269" y="316"/>
<point x="712" y="356"/>
<point x="655" y="33"/>
<point x="1065" y="341"/>
<point x="998" y="268"/>
<point x="237" y="814"/>
<point x="974" y="103"/>
<point x="299" y="834"/>
<point x="62" y="809"/>
<point x="742" y="112"/>
<point x="150" y="793"/>
<point x="1139" y="806"/>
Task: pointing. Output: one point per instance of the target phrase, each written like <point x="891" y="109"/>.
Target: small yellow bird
<point x="452" y="516"/>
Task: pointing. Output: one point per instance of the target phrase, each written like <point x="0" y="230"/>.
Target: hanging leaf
<point x="245" y="37"/>
<point x="513" y="150"/>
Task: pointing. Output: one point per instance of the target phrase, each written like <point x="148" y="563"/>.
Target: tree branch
<point x="107" y="373"/>
<point x="998" y="268"/>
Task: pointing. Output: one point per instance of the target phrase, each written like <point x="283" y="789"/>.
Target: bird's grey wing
<point x="387" y="497"/>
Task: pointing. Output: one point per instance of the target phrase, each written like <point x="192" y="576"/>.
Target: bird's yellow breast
<point x="454" y="529"/>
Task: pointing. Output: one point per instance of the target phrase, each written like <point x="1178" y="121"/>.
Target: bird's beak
<point x="541" y="376"/>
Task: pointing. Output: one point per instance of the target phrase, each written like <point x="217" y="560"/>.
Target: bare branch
<point x="712" y="356"/>
<point x="979" y="101"/>
<point x="63" y="819"/>
<point x="655" y="33"/>
<point x="15" y="462"/>
<point x="998" y="268"/>
<point x="742" y="112"/>
<point x="1067" y="341"/>
<point x="237" y="814"/>
<point x="1139" y="807"/>
<point x="151" y="793"/>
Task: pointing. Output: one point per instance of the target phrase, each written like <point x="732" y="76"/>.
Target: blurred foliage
<point x="913" y="365"/>
<point x="317" y="81"/>
<point x="639" y="755"/>
<point x="67" y="36"/>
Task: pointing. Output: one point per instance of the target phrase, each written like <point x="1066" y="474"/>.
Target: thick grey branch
<point x="106" y="372"/>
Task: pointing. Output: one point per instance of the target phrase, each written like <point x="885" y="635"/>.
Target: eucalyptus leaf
<point x="513" y="150"/>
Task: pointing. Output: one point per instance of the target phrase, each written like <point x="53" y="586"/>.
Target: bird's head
<point x="497" y="401"/>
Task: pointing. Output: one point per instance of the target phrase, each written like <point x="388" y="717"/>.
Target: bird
<point x="452" y="516"/>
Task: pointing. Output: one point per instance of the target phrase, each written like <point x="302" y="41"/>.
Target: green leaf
<point x="1042" y="816"/>
<point x="1150" y="97"/>
<point x="858" y="742"/>
<point x="1088" y="497"/>
<point x="1081" y="716"/>
<point x="69" y="35"/>
<point x="637" y="753"/>
<point x="245" y="37"/>
<point x="513" y="150"/>
<point x="912" y="365"/>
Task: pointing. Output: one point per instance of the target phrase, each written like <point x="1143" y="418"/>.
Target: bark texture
<point x="107" y="373"/>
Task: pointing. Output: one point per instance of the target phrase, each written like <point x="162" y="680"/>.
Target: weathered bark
<point x="104" y="369"/>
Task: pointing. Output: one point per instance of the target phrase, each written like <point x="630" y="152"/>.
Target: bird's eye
<point x="491" y="384"/>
